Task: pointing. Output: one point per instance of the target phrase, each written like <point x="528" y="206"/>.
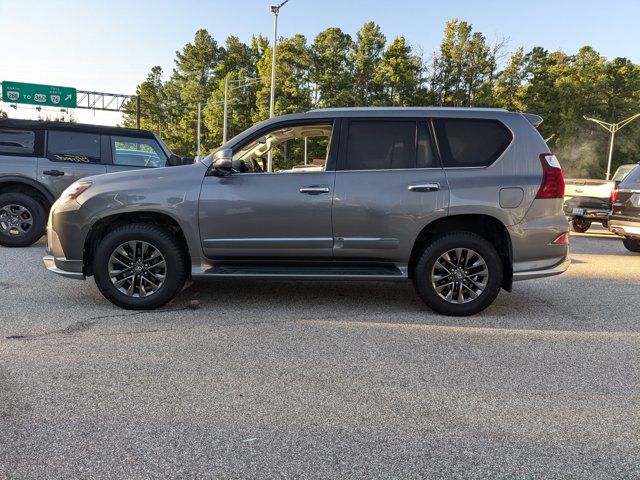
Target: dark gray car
<point x="461" y="201"/>
<point x="39" y="160"/>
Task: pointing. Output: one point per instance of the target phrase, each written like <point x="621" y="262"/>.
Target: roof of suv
<point x="74" y="127"/>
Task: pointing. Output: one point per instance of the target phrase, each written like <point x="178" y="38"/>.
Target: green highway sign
<point x="34" y="94"/>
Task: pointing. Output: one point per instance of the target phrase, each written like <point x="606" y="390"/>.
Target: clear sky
<point x="111" y="45"/>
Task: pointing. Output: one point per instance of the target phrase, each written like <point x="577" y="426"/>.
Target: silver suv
<point x="461" y="201"/>
<point x="39" y="159"/>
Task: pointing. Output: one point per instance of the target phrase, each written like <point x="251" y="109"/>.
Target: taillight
<point x="614" y="195"/>
<point x="552" y="185"/>
<point x="562" y="239"/>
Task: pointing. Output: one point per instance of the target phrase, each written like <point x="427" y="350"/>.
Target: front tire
<point x="580" y="225"/>
<point x="632" y="245"/>
<point x="22" y="220"/>
<point x="458" y="273"/>
<point x="140" y="266"/>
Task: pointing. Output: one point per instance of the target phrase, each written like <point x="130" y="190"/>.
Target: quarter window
<point x="470" y="142"/>
<point x="75" y="147"/>
<point x="21" y="142"/>
<point x="381" y="145"/>
<point x="137" y="152"/>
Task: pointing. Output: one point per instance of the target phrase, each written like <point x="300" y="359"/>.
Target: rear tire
<point x="434" y="282"/>
<point x="22" y="220"/>
<point x="140" y="266"/>
<point x="632" y="245"/>
<point x="580" y="225"/>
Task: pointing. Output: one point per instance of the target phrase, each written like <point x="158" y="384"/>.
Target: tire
<point x="426" y="271"/>
<point x="605" y="224"/>
<point x="580" y="225"/>
<point x="168" y="269"/>
<point x="22" y="220"/>
<point x="633" y="245"/>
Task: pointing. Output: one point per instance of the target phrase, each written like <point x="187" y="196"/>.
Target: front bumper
<point x="55" y="260"/>
<point x="51" y="264"/>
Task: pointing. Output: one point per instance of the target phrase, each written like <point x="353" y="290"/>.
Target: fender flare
<point x="44" y="191"/>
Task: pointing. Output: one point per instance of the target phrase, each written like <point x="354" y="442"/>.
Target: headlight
<point x="74" y="191"/>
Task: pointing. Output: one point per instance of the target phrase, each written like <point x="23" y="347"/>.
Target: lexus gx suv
<point x="461" y="201"/>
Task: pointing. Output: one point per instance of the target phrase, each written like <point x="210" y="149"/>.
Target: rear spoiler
<point x="534" y="119"/>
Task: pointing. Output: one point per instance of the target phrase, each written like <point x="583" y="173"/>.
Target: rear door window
<point x="137" y="152"/>
<point x="17" y="142"/>
<point x="381" y="145"/>
<point x="471" y="142"/>
<point x="74" y="147"/>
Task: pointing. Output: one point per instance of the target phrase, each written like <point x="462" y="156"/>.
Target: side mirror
<point x="221" y="164"/>
<point x="187" y="160"/>
<point x="174" y="160"/>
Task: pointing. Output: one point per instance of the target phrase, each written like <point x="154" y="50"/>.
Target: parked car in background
<point x="461" y="201"/>
<point x="39" y="160"/>
<point x="624" y="218"/>
<point x="587" y="199"/>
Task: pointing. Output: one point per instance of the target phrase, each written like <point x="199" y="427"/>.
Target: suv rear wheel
<point x="632" y="245"/>
<point x="22" y="220"/>
<point x="139" y="266"/>
<point x="580" y="225"/>
<point x="458" y="273"/>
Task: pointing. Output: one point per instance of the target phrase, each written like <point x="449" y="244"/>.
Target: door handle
<point x="53" y="173"/>
<point x="424" y="187"/>
<point x="314" y="189"/>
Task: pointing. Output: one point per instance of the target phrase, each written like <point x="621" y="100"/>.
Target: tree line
<point x="338" y="70"/>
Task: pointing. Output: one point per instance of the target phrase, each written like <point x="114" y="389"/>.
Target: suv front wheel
<point x="22" y="220"/>
<point x="458" y="273"/>
<point x="139" y="266"/>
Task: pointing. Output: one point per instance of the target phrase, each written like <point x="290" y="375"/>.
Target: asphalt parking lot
<point x="246" y="379"/>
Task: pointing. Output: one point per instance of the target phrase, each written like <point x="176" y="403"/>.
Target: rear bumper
<point x="545" y="272"/>
<point x="588" y="213"/>
<point x="624" y="228"/>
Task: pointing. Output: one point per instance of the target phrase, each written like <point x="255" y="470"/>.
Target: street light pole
<point x="612" y="128"/>
<point x="275" y="9"/>
<point x="225" y="110"/>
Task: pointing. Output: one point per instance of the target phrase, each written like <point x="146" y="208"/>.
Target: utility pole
<point x="225" y="110"/>
<point x="199" y="116"/>
<point x="138" y="112"/>
<point x="612" y="128"/>
<point x="275" y="9"/>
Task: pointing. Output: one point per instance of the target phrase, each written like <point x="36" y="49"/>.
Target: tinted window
<point x="137" y="152"/>
<point x="377" y="145"/>
<point x="471" y="143"/>
<point x="632" y="177"/>
<point x="426" y="157"/>
<point x="17" y="141"/>
<point x="73" y="147"/>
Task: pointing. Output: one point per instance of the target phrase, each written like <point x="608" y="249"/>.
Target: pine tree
<point x="192" y="82"/>
<point x="366" y="55"/>
<point x="332" y="68"/>
<point x="399" y="73"/>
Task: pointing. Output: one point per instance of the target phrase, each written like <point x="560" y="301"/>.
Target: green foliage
<point x="332" y="68"/>
<point x="466" y="70"/>
<point x="366" y="56"/>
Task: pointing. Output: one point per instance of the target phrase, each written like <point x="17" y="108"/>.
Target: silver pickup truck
<point x="588" y="200"/>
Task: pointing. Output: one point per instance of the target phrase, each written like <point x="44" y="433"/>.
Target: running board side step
<point x="296" y="272"/>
